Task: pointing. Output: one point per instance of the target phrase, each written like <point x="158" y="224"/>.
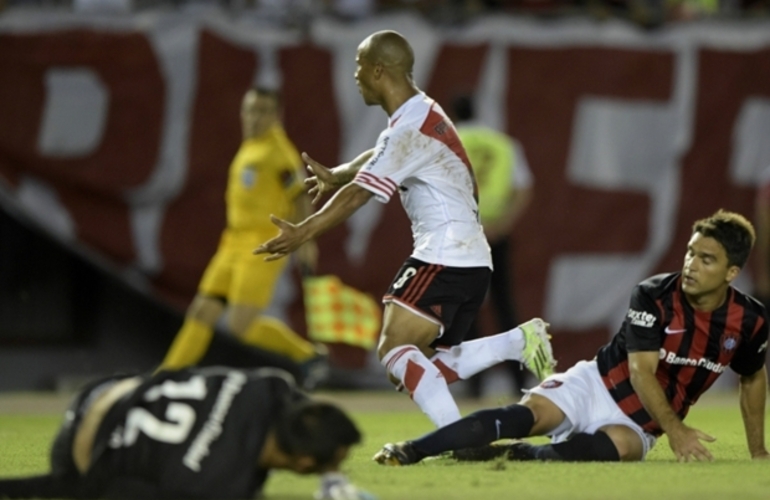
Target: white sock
<point x="471" y="357"/>
<point x="425" y="383"/>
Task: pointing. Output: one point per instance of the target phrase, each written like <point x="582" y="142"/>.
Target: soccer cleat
<point x="521" y="451"/>
<point x="396" y="454"/>
<point x="537" y="354"/>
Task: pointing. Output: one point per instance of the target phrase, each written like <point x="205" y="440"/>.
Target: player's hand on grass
<point x="289" y="239"/>
<point x="686" y="444"/>
<point x="322" y="181"/>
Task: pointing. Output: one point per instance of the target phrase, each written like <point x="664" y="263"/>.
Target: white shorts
<point x="581" y="395"/>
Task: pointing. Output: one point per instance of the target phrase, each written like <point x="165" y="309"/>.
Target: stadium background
<point x="116" y="133"/>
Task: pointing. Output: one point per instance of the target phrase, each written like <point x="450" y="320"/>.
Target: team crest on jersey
<point x="551" y="384"/>
<point x="729" y="343"/>
<point x="249" y="176"/>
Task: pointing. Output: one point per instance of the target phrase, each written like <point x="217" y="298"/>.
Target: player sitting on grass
<point x="204" y="433"/>
<point x="681" y="332"/>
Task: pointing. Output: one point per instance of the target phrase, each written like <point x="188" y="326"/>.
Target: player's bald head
<point x="390" y="49"/>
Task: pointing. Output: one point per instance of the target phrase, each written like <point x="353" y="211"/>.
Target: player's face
<point x="365" y="75"/>
<point x="258" y="113"/>
<point x="706" y="268"/>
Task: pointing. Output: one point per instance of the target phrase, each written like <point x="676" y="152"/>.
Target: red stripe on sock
<point x="449" y="374"/>
<point x="398" y="355"/>
<point x="413" y="375"/>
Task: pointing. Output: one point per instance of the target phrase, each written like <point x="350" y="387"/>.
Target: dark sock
<point x="581" y="447"/>
<point x="477" y="429"/>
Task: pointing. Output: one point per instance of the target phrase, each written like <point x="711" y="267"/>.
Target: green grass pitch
<point x="25" y="438"/>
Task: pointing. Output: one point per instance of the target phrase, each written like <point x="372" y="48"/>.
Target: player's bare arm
<point x="326" y="179"/>
<point x="684" y="441"/>
<point x="753" y="390"/>
<point x="341" y="206"/>
<point x="307" y="254"/>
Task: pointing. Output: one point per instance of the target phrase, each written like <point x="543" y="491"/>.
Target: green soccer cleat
<point x="537" y="354"/>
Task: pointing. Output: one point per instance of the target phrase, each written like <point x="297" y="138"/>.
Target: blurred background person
<point x="505" y="190"/>
<point x="265" y="177"/>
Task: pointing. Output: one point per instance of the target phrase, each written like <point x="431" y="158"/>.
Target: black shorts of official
<point x="62" y="463"/>
<point x="449" y="296"/>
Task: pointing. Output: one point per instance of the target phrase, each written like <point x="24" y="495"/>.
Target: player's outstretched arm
<point x="684" y="441"/>
<point x="306" y="256"/>
<point x="341" y="206"/>
<point x="326" y="179"/>
<point x="753" y="390"/>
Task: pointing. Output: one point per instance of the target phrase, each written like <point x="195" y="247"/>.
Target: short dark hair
<point x="732" y="230"/>
<point x="462" y="107"/>
<point x="316" y="429"/>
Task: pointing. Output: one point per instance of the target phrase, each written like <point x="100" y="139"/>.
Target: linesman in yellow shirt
<point x="266" y="177"/>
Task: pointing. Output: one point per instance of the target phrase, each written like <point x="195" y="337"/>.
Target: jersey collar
<point x="404" y="108"/>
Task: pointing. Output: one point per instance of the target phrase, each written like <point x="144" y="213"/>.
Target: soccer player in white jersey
<point x="436" y="294"/>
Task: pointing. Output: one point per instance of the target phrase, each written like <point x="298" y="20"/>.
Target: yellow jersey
<point x="492" y="156"/>
<point x="265" y="177"/>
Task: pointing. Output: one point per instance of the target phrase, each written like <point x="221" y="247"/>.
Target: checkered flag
<point x="339" y="313"/>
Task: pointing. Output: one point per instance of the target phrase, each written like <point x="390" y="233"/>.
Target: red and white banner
<point x="116" y="134"/>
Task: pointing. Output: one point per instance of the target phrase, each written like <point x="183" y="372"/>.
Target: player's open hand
<point x="322" y="180"/>
<point x="335" y="486"/>
<point x="288" y="240"/>
<point x="686" y="444"/>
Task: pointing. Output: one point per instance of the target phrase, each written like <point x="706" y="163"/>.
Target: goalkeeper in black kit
<point x="203" y="433"/>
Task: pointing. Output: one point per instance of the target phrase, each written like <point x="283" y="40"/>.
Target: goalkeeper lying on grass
<point x="205" y="433"/>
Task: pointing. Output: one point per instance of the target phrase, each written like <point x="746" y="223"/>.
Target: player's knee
<point x="382" y="350"/>
<point x="547" y="416"/>
<point x="388" y="342"/>
<point x="627" y="452"/>
<point x="402" y="326"/>
<point x="627" y="442"/>
<point x="205" y="309"/>
<point x="239" y="318"/>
